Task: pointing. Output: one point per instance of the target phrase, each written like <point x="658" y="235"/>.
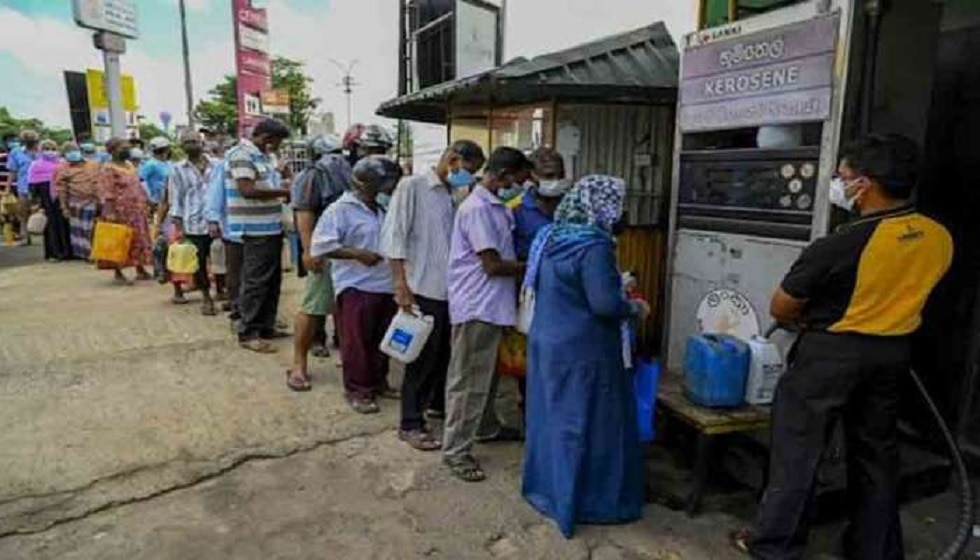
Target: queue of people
<point x="446" y="243"/>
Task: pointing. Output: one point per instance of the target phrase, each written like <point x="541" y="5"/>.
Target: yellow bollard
<point x="8" y="234"/>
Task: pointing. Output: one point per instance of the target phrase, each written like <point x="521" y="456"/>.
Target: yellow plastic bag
<point x="182" y="258"/>
<point x="110" y="243"/>
<point x="512" y="357"/>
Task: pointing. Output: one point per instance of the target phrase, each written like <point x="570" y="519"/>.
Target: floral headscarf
<point x="586" y="215"/>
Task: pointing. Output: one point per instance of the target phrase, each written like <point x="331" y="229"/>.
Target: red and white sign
<point x="253" y="70"/>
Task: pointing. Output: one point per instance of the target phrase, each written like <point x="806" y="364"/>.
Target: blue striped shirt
<point x="250" y="217"/>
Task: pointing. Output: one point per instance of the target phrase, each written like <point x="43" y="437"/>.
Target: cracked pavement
<point x="135" y="429"/>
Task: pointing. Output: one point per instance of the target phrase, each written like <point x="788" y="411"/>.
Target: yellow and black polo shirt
<point x="872" y="276"/>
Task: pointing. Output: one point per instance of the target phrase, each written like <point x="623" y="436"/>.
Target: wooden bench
<point x="709" y="423"/>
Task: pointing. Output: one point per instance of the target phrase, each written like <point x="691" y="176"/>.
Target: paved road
<point x="134" y="429"/>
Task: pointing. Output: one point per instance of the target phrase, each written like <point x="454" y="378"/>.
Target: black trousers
<point x="234" y="253"/>
<point x="201" y="277"/>
<point x="836" y="377"/>
<point x="260" y="286"/>
<point x="425" y="378"/>
<point x="57" y="244"/>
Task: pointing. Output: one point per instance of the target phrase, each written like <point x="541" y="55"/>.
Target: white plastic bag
<point x="37" y="222"/>
<point x="525" y="311"/>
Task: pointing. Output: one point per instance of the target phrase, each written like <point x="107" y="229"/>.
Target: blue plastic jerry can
<point x="716" y="367"/>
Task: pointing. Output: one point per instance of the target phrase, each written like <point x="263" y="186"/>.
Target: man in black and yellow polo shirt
<point x="857" y="296"/>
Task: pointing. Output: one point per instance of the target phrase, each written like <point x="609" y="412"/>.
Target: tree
<point x="220" y="112"/>
<point x="288" y="75"/>
<point x="10" y="124"/>
<point x="148" y="131"/>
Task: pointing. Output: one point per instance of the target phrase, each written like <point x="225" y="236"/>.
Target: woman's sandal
<point x="298" y="387"/>
<point x="467" y="469"/>
<point x="740" y="540"/>
<point x="420" y="440"/>
<point x="320" y="351"/>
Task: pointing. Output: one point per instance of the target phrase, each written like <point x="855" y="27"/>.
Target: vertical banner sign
<point x="252" y="67"/>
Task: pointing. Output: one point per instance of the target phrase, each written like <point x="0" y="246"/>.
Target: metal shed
<point x="607" y="106"/>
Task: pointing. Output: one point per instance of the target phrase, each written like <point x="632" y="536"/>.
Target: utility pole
<point x="347" y="82"/>
<point x="188" y="86"/>
<point x="112" y="46"/>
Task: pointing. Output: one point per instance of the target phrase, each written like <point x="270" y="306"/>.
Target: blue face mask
<point x="13" y="145"/>
<point x="74" y="156"/>
<point x="460" y="178"/>
<point x="510" y="192"/>
<point x="384" y="200"/>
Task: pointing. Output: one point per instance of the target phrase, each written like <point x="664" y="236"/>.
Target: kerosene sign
<point x="779" y="76"/>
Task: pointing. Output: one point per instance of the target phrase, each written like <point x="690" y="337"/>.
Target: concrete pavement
<point x="135" y="429"/>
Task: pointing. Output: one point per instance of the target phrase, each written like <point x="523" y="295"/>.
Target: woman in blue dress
<point x="582" y="459"/>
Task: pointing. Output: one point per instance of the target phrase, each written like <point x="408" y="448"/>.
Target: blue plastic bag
<point x="646" y="380"/>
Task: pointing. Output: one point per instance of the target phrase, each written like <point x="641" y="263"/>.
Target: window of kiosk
<point x="525" y="128"/>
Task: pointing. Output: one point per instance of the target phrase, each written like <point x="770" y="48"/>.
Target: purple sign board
<point x="780" y="76"/>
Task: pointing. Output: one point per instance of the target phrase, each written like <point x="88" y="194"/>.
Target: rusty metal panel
<point x="641" y="250"/>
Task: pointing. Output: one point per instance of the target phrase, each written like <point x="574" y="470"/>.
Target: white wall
<point x="537" y="27"/>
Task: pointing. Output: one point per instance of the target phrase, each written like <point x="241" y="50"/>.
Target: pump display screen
<point x="775" y="187"/>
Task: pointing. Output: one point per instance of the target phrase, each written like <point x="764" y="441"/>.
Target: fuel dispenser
<point x="758" y="128"/>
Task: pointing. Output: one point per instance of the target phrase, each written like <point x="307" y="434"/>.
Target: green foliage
<point x="148" y="131"/>
<point x="288" y="75"/>
<point x="220" y="111"/>
<point x="13" y="125"/>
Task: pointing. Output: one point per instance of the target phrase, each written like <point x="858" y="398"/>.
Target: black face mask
<point x="123" y="155"/>
<point x="193" y="153"/>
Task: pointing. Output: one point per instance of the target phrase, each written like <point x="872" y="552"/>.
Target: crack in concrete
<point x="235" y="463"/>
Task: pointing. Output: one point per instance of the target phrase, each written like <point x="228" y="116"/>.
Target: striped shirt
<point x="419" y="229"/>
<point x="250" y="217"/>
<point x="188" y="189"/>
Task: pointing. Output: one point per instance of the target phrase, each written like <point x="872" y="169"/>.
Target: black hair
<point x="507" y="161"/>
<point x="470" y="151"/>
<point x="137" y="143"/>
<point x="892" y="160"/>
<point x="272" y="127"/>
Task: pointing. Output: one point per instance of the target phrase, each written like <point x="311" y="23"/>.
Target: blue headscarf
<point x="585" y="216"/>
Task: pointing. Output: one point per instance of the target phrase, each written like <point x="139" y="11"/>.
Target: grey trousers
<point x="471" y="387"/>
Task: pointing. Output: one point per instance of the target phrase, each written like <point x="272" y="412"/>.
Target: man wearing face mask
<point x="187" y="193"/>
<point x="155" y="171"/>
<point x="857" y="296"/>
<point x="416" y="240"/>
<point x="536" y="208"/>
<point x="349" y="234"/>
<point x="482" y="303"/>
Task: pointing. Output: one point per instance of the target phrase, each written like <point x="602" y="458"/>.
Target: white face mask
<point x="838" y="195"/>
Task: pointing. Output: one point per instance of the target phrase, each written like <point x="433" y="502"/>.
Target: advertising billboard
<point x="476" y="37"/>
<point x="114" y="16"/>
<point x="98" y="104"/>
<point x="252" y="67"/>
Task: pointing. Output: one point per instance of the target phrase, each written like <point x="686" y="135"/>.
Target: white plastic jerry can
<point x="765" y="368"/>
<point x="407" y="335"/>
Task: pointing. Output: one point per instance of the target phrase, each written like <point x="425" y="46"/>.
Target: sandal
<point x="466" y="468"/>
<point x="301" y="387"/>
<point x="320" y="351"/>
<point x="390" y="393"/>
<point x="258" y="345"/>
<point x="433" y="414"/>
<point x="740" y="540"/>
<point x="420" y="440"/>
<point x="208" y="309"/>
<point x="179" y="300"/>
<point x="363" y="406"/>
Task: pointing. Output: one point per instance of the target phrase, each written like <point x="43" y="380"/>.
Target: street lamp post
<point x="188" y="87"/>
<point x="347" y="82"/>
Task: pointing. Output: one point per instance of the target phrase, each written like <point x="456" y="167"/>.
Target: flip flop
<point x="299" y="388"/>
<point x="740" y="540"/>
<point x="259" y="346"/>
<point x="320" y="351"/>
<point x="420" y="440"/>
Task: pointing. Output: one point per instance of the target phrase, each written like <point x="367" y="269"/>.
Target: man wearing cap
<point x="156" y="170"/>
<point x="187" y="189"/>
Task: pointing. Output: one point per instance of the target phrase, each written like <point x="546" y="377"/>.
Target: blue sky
<point x="39" y="40"/>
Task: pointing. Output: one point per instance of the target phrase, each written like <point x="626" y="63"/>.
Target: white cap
<point x="136" y="153"/>
<point x="553" y="188"/>
<point x="159" y="143"/>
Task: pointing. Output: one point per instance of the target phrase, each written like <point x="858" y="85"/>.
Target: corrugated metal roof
<point x="639" y="66"/>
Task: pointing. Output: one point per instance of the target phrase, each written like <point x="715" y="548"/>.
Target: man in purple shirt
<point x="482" y="302"/>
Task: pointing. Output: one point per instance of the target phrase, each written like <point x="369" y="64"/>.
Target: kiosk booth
<point x="769" y="91"/>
